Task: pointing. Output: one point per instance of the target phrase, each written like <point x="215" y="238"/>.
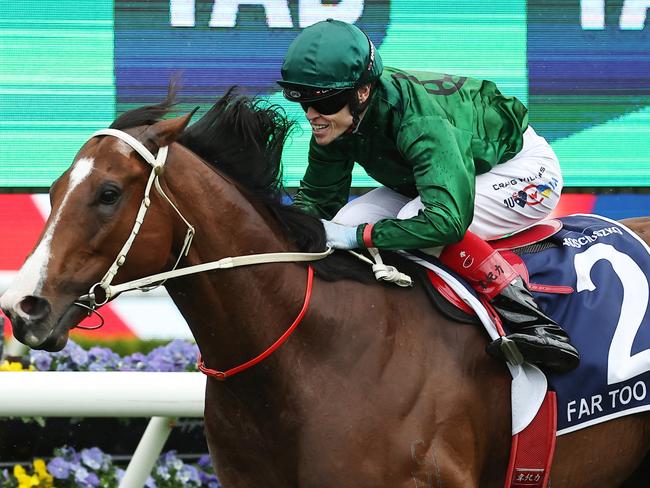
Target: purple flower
<point x="5" y="477"/>
<point x="78" y="355"/>
<point x="94" y="458"/>
<point x="170" y="460"/>
<point x="79" y="468"/>
<point x="163" y="472"/>
<point x="189" y="475"/>
<point x="97" y="366"/>
<point x="80" y="474"/>
<point x="178" y="355"/>
<point x="59" y="468"/>
<point x="208" y="479"/>
<point x="158" y="361"/>
<point x="41" y="360"/>
<point x="92" y="480"/>
<point x="204" y="462"/>
<point x="102" y="359"/>
<point x="85" y="478"/>
<point x="134" y="362"/>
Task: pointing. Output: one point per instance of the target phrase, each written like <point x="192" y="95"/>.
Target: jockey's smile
<point x="326" y="128"/>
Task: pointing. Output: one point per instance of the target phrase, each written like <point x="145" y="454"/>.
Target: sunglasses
<point x="329" y="105"/>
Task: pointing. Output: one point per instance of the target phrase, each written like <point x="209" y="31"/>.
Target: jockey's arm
<point x="444" y="174"/>
<point x="325" y="188"/>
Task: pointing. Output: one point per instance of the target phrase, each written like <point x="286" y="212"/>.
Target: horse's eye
<point x="109" y="196"/>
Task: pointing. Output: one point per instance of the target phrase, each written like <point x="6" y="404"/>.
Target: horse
<point x="374" y="388"/>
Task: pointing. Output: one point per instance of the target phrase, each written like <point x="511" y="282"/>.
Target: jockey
<point x="456" y="158"/>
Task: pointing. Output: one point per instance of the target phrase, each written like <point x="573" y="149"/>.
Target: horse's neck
<point x="234" y="314"/>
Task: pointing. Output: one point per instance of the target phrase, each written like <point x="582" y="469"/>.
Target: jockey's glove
<point x="340" y="236"/>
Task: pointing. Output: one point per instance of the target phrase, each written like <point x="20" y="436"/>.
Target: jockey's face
<point x="327" y="128"/>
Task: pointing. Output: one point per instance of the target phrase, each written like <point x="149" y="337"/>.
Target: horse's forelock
<point x="243" y="138"/>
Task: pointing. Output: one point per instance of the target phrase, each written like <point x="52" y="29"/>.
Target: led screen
<point x="68" y="67"/>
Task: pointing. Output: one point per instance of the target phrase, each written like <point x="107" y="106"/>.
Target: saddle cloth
<point x="607" y="318"/>
<point x="608" y="266"/>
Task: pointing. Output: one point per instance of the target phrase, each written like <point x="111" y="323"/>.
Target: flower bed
<point x="178" y="355"/>
<point x="92" y="467"/>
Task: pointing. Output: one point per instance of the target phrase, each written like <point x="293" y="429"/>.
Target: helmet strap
<point x="357" y="108"/>
<point x="356" y="120"/>
<point x="371" y="63"/>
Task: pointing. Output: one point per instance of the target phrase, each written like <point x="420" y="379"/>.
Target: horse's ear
<point x="165" y="132"/>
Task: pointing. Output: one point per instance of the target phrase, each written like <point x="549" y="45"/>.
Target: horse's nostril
<point x="35" y="307"/>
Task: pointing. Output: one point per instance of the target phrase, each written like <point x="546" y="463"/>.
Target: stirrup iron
<point x="510" y="351"/>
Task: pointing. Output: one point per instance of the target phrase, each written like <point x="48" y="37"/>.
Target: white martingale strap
<point x="224" y="263"/>
<point x="382" y="271"/>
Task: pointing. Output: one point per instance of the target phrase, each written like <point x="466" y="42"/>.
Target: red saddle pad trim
<point x="531" y="454"/>
<point x="448" y="293"/>
<point x="530" y="235"/>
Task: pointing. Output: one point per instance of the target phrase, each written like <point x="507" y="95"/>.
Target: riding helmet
<point x="327" y="58"/>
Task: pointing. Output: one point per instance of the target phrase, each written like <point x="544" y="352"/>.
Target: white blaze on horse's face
<point x="33" y="273"/>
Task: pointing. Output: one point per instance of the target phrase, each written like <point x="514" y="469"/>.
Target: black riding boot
<point x="539" y="338"/>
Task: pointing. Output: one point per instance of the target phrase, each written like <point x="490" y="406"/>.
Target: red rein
<point x="222" y="375"/>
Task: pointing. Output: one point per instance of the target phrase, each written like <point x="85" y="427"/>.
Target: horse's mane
<point x="243" y="138"/>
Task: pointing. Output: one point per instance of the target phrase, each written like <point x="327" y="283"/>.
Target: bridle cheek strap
<point x="157" y="164"/>
<point x="222" y="375"/>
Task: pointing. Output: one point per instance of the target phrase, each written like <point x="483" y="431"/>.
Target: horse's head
<point x="94" y="207"/>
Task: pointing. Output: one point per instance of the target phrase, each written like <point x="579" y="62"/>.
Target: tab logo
<point x="278" y="15"/>
<point x="219" y="43"/>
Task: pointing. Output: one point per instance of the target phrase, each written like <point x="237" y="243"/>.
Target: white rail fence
<point x="161" y="396"/>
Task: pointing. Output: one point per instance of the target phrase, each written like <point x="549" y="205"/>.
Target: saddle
<point x="530" y="239"/>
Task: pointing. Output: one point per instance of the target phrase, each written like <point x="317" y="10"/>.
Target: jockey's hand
<point x="340" y="236"/>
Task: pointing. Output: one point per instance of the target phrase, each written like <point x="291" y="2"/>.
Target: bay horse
<point x="375" y="388"/>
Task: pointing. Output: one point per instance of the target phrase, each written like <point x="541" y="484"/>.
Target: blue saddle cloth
<point x="607" y="318"/>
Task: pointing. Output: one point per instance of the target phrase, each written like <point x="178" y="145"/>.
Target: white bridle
<point x="147" y="283"/>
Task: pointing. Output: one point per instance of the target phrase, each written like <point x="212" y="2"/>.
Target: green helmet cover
<point x="329" y="55"/>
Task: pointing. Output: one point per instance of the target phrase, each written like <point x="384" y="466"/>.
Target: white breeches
<point x="513" y="195"/>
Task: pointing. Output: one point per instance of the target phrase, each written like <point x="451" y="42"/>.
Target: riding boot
<point x="539" y="338"/>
